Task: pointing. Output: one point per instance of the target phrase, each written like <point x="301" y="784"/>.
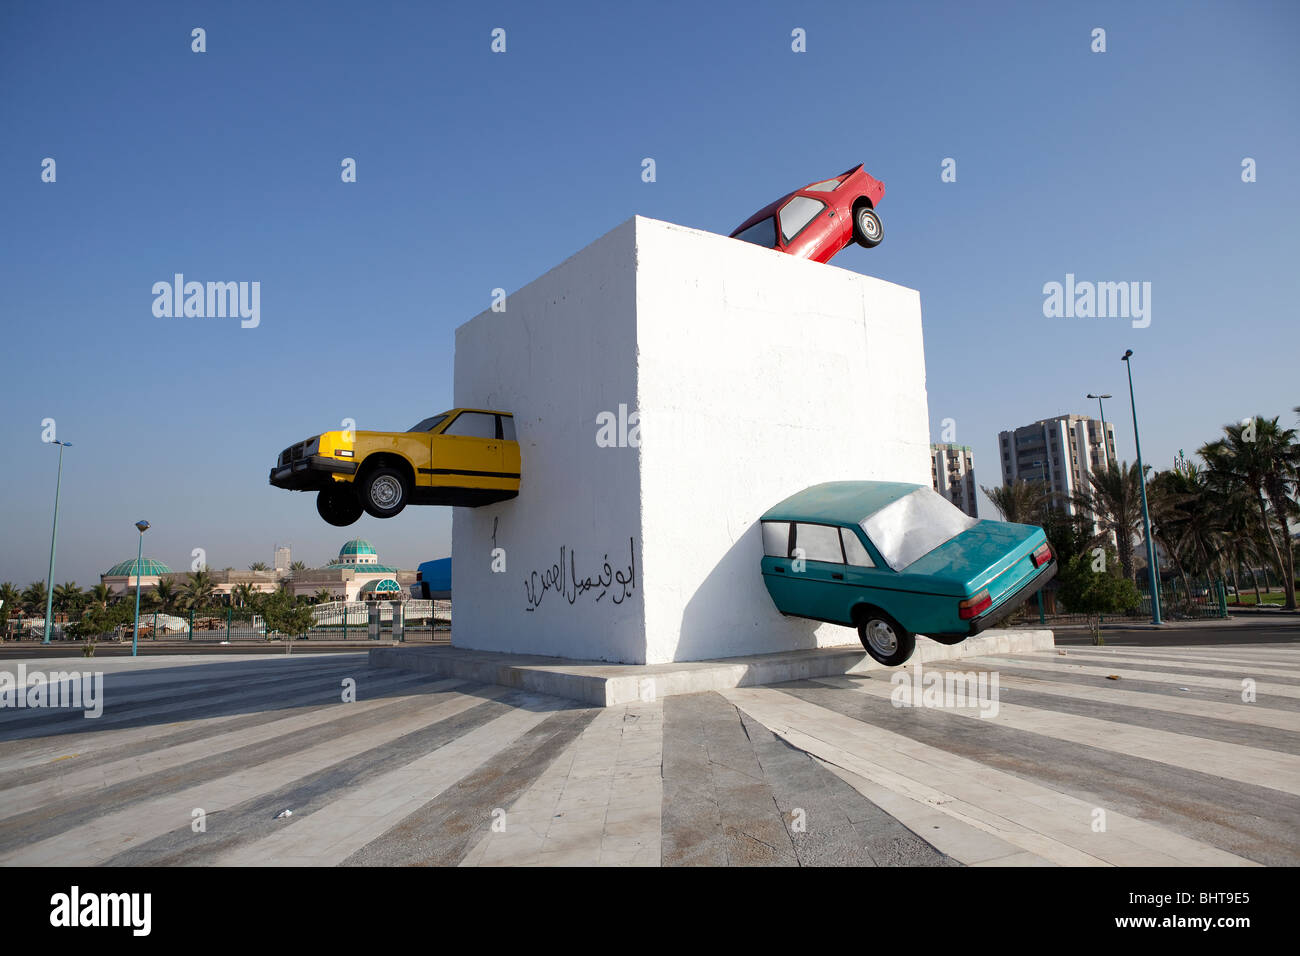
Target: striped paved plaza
<point x="1093" y="756"/>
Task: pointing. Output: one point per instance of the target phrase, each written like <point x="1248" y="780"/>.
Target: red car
<point x="819" y="220"/>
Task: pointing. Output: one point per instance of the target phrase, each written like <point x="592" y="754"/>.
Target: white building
<point x="1060" y="452"/>
<point x="283" y="557"/>
<point x="952" y="470"/>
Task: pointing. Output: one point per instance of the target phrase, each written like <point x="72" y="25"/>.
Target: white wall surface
<point x="563" y="350"/>
<point x="759" y="375"/>
<point x="756" y="375"/>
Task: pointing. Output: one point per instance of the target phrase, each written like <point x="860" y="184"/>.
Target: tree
<point x="165" y="595"/>
<point x="10" y="601"/>
<point x="1114" y="498"/>
<point x="285" y="615"/>
<point x="33" y="598"/>
<point x="101" y="620"/>
<point x="1021" y="501"/>
<point x="257" y="566"/>
<point x="298" y="566"/>
<point x="1264" y="459"/>
<point x="242" y="594"/>
<point x="197" y="591"/>
<point x="324" y="595"/>
<point x="100" y="595"/>
<point x="1087" y="590"/>
<point x="68" y="598"/>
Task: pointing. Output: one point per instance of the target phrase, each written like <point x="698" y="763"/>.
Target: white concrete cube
<point x="750" y="374"/>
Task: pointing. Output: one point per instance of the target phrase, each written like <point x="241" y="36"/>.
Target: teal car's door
<point x="820" y="588"/>
<point x="803" y="568"/>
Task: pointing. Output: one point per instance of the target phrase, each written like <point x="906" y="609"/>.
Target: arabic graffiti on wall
<point x="562" y="579"/>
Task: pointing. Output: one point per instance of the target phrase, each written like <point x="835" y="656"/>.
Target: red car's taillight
<point x="972" y="607"/>
<point x="1042" y="554"/>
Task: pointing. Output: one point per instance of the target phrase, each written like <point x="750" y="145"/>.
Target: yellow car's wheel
<point x="339" y="506"/>
<point x="384" y="492"/>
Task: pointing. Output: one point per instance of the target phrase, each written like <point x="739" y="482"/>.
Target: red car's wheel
<point x="867" y="229"/>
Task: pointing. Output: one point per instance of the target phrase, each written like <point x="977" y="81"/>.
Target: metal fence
<point x="1202" y="600"/>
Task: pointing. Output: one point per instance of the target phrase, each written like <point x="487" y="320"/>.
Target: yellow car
<point x="467" y="457"/>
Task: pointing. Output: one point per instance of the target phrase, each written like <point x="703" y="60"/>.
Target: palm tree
<point x="197" y="591"/>
<point x="165" y="595"/>
<point x="298" y="566"/>
<point x="1021" y="501"/>
<point x="1114" y="498"/>
<point x="242" y="594"/>
<point x="10" y="601"/>
<point x="1264" y="459"/>
<point x="34" y="598"/>
<point x="100" y="594"/>
<point x="257" y="566"/>
<point x="67" y="598"/>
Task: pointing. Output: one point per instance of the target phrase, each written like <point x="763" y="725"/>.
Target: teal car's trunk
<point x="996" y="555"/>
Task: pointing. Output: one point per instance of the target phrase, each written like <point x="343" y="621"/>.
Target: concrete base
<point x="604" y="685"/>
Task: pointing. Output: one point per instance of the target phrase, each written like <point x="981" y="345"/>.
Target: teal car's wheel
<point x="338" y="505"/>
<point x="887" y="641"/>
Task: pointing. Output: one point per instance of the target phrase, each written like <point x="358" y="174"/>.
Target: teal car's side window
<point x="776" y="539"/>
<point x="855" y="552"/>
<point x="818" y="542"/>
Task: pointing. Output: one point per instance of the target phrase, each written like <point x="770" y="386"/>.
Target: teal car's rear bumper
<point x="1013" y="601"/>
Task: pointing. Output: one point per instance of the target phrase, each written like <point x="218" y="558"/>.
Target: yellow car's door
<point x="467" y="453"/>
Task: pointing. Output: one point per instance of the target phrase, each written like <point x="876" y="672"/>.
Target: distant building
<point x="282" y="557"/>
<point x="952" y="469"/>
<point x="355" y="575"/>
<point x="1059" y="452"/>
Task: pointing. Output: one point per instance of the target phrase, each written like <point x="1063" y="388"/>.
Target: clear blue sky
<point x="478" y="170"/>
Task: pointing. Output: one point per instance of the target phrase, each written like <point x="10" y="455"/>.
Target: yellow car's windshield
<point x="429" y="424"/>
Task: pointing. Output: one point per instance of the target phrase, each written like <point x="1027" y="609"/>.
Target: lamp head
<point x="1127" y="353"/>
<point x="142" y="526"/>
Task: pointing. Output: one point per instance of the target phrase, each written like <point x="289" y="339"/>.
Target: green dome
<point x="387" y="585"/>
<point x="363" y="568"/>
<point x="148" y="567"/>
<point x="356" y="546"/>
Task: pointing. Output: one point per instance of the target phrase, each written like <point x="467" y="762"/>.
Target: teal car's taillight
<point x="1042" y="554"/>
<point x="974" y="606"/>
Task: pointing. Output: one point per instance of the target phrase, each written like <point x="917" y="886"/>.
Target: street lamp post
<point x="1153" y="569"/>
<point x="1105" y="448"/>
<point x="142" y="527"/>
<point x="49" y="578"/>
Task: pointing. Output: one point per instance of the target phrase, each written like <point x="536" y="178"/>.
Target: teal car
<point x="895" y="560"/>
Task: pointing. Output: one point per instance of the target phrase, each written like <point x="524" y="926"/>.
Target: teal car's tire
<point x="887" y="641"/>
<point x="338" y="506"/>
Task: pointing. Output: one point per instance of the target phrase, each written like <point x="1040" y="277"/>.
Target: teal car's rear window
<point x="908" y="529"/>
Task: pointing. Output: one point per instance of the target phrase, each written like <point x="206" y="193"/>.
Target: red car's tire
<point x="868" y="230"/>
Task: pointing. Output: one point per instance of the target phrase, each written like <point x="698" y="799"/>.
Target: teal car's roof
<point x="839" y="502"/>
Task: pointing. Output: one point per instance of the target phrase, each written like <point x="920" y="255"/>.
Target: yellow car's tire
<point x="384" y="492"/>
<point x="338" y="506"/>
